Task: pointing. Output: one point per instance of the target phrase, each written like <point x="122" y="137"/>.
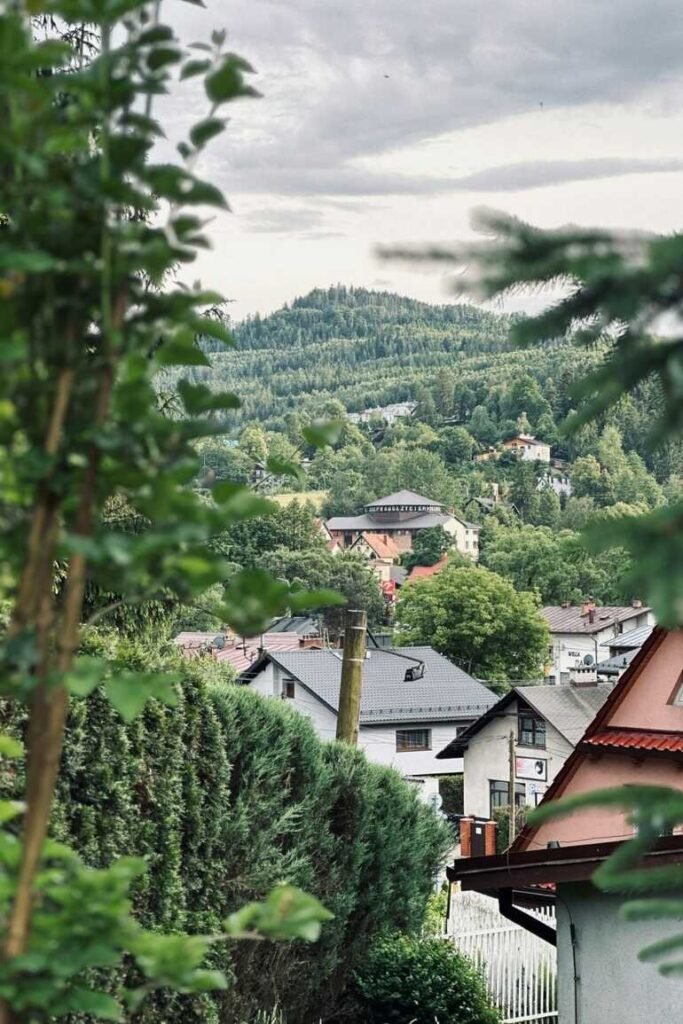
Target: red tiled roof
<point x="383" y="546"/>
<point x="239" y="652"/>
<point x="421" y="572"/>
<point x="637" y="739"/>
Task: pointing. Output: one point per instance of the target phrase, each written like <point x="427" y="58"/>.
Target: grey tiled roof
<point x="570" y="709"/>
<point x="445" y="692"/>
<point x="420" y="521"/>
<point x="633" y="639"/>
<point x="616" y="665"/>
<point x="570" y="620"/>
<point x="404" y="498"/>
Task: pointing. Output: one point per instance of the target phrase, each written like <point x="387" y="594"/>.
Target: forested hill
<point x="367" y="348"/>
<point x="381" y="318"/>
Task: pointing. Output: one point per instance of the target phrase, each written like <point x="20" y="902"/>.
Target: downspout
<point x="527" y="921"/>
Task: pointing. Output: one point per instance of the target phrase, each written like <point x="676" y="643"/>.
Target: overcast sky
<point x="389" y="121"/>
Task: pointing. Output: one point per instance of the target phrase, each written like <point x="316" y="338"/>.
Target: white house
<point x="578" y="632"/>
<point x="528" y="448"/>
<point x="414" y="702"/>
<point x="399" y="517"/>
<point x="546" y="723"/>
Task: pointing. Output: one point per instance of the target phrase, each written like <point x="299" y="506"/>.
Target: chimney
<point x="566" y="604"/>
<point x="583" y="676"/>
<point x="588" y="607"/>
<point x="636" y="603"/>
<point x="490" y="828"/>
<point x="466" y="825"/>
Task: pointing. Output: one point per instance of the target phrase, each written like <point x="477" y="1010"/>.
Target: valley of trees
<point x="340" y="350"/>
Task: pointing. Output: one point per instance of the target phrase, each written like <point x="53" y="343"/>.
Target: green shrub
<point x="407" y="980"/>
<point x="226" y="794"/>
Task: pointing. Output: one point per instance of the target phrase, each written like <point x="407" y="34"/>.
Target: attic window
<point x="288" y="689"/>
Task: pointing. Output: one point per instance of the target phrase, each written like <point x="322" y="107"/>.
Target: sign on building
<point x="531" y="768"/>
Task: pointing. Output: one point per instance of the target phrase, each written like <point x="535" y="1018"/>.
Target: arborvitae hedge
<point x="227" y="794"/>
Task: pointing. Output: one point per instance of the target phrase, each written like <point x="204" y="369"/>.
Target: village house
<point x="414" y="700"/>
<point x="577" y="633"/>
<point x="399" y="517"/>
<point x="528" y="448"/>
<point x="622" y="650"/>
<point x="636" y="738"/>
<point x="381" y="550"/>
<point x="541" y="725"/>
<point x="288" y="633"/>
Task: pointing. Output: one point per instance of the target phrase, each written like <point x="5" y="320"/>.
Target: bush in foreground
<point x="407" y="980"/>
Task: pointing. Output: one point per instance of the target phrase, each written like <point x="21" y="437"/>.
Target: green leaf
<point x="197" y="398"/>
<point x="85" y="675"/>
<point x="176" y="352"/>
<point x="10" y="748"/>
<point x="194" y="67"/>
<point x="227" y="81"/>
<point x="286" y="913"/>
<point x="284" y="467"/>
<point x="10" y="809"/>
<point x="97" y="1004"/>
<point x="204" y="131"/>
<point x="321" y="433"/>
<point x="130" y="691"/>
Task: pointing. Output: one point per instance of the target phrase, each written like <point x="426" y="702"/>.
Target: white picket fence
<point x="520" y="969"/>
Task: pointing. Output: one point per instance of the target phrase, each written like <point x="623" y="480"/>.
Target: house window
<point x="408" y="740"/>
<point x="499" y="794"/>
<point x="530" y="730"/>
<point x="288" y="688"/>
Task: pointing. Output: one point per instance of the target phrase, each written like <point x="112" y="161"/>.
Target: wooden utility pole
<point x="355" y="630"/>
<point x="513" y="808"/>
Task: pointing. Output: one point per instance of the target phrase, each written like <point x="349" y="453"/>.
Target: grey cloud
<point x="283" y="221"/>
<point x="521" y="176"/>
<point x="356" y="80"/>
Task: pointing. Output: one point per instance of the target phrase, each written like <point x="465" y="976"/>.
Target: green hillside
<point x="368" y="348"/>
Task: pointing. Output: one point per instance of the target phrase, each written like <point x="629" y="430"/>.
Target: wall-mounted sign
<point x="531" y="768"/>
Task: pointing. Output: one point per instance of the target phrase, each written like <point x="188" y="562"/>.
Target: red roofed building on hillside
<point x="422" y="572"/>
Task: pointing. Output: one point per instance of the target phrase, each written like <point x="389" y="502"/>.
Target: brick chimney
<point x="588" y="609"/>
<point x="466" y="826"/>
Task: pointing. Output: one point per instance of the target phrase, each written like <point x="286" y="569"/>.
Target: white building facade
<point x="578" y="633"/>
<point x="391" y="736"/>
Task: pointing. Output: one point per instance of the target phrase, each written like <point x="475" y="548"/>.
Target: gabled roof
<point x="404" y="498"/>
<point x="384" y="547"/>
<point x="597" y="726"/>
<point x="568" y="709"/>
<point x="617" y="664"/>
<point x="570" y="620"/>
<point x="445" y="692"/>
<point x="633" y="639"/>
<point x="421" y="572"/>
